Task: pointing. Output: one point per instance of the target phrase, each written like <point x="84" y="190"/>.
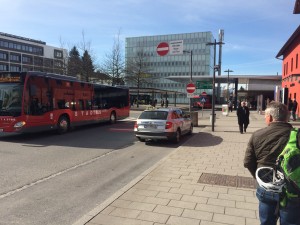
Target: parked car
<point x="163" y="124"/>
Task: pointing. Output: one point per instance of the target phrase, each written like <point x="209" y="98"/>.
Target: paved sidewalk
<point x="169" y="192"/>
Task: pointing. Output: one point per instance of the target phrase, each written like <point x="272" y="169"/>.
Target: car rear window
<point x="154" y="115"/>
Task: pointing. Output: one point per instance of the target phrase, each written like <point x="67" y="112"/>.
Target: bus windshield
<point x="10" y="99"/>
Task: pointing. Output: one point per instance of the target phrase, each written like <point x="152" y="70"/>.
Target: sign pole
<point x="190" y="89"/>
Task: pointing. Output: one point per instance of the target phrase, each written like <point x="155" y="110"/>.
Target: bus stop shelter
<point x="153" y="92"/>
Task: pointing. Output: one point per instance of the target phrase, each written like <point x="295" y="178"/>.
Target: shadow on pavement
<point x="203" y="139"/>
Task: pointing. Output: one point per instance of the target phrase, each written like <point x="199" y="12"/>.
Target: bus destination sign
<point x="8" y="78"/>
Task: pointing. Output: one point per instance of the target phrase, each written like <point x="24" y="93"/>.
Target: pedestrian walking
<point x="230" y="105"/>
<point x="262" y="151"/>
<point x="243" y="117"/>
<point x="294" y="109"/>
<point x="162" y="102"/>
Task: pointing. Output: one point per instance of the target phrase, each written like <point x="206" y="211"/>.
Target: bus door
<point x="37" y="104"/>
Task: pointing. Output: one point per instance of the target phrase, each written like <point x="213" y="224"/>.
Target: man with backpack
<point x="263" y="149"/>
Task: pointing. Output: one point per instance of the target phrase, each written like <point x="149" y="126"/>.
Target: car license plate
<point x="150" y="126"/>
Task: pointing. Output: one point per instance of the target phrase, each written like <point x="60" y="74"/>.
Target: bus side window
<point x="88" y="104"/>
<point x="61" y="104"/>
<point x="35" y="107"/>
<point x="80" y="104"/>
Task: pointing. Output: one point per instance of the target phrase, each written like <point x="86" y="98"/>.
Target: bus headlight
<point x="19" y="124"/>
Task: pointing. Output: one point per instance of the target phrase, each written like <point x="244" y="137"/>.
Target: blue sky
<point x="254" y="30"/>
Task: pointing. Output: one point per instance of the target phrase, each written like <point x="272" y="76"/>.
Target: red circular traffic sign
<point x="162" y="48"/>
<point x="190" y="88"/>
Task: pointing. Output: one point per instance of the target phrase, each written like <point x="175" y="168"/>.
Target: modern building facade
<point x="157" y="67"/>
<point x="18" y="54"/>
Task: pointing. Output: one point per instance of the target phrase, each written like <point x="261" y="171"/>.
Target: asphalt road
<point x="56" y="179"/>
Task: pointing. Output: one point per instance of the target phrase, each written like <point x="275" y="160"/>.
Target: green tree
<point x="74" y="62"/>
<point x="88" y="68"/>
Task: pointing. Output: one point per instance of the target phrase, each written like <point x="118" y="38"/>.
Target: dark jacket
<point x="243" y="115"/>
<point x="265" y="145"/>
<point x="294" y="106"/>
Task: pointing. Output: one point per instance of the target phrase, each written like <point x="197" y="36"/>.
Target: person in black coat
<point x="243" y="117"/>
<point x="294" y="109"/>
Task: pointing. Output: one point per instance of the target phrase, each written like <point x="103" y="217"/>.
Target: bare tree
<point x="114" y="63"/>
<point x="88" y="60"/>
<point x="138" y="71"/>
<point x="64" y="69"/>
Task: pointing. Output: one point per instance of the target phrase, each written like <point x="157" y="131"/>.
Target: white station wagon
<point x="163" y="124"/>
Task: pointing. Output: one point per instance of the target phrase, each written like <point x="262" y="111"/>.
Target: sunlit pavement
<point x="170" y="191"/>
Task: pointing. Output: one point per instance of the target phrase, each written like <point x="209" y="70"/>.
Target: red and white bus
<point x="37" y="101"/>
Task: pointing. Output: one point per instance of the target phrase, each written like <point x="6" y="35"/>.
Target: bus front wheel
<point x="63" y="125"/>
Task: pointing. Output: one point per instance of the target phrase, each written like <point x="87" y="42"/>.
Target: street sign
<point x="162" y="48"/>
<point x="176" y="47"/>
<point x="203" y="84"/>
<point x="202" y="99"/>
<point x="190" y="88"/>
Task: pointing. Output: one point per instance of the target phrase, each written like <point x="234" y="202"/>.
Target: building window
<point x="58" y="54"/>
<point x="15" y="57"/>
<point x="21" y="47"/>
<point x="3" y="67"/>
<point x="38" y="61"/>
<point x="26" y="69"/>
<point x="297" y="61"/>
<point x="14" y="68"/>
<point x="3" y="56"/>
<point x="292" y="64"/>
<point x="58" y="64"/>
<point x="27" y="59"/>
<point x="48" y="62"/>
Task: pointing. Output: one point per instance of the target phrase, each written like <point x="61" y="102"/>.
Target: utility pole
<point x="228" y="71"/>
<point x="216" y="68"/>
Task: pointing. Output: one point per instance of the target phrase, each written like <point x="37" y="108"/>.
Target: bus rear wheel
<point x="63" y="125"/>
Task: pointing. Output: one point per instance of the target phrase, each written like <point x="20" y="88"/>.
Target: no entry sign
<point x="190" y="88"/>
<point x="162" y="48"/>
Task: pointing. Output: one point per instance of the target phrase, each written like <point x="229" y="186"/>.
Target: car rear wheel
<point x="191" y="129"/>
<point x="177" y="136"/>
<point x="141" y="139"/>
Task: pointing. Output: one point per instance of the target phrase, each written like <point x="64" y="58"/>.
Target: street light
<point x="191" y="78"/>
<point x="216" y="68"/>
<point x="228" y="71"/>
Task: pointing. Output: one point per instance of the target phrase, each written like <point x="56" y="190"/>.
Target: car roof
<point x="162" y="109"/>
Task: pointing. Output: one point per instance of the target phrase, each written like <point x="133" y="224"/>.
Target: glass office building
<point x="156" y="68"/>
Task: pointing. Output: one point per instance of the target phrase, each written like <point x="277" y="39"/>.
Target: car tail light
<point x="135" y="125"/>
<point x="169" y="125"/>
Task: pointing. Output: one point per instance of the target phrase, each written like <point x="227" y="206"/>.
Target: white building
<point x="20" y="54"/>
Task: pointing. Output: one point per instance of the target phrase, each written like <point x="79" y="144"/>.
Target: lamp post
<point x="216" y="68"/>
<point x="191" y="78"/>
<point x="228" y="71"/>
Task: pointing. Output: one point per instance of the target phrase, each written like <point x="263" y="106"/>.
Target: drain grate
<point x="227" y="180"/>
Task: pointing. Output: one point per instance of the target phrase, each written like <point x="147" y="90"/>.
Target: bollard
<point x="194" y="118"/>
